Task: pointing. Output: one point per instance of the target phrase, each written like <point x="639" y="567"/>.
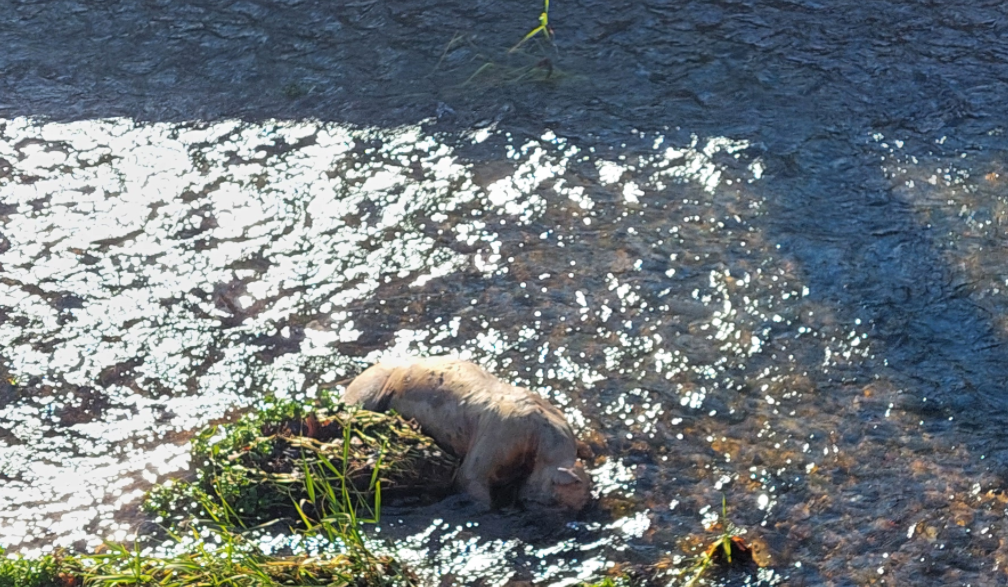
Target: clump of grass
<point x="495" y="74"/>
<point x="532" y="64"/>
<point x="317" y="463"/>
<point x="234" y="562"/>
<point x="324" y="464"/>
<point x="322" y="467"/>
<point x="52" y="570"/>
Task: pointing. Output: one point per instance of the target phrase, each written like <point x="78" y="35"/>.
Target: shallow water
<point x="751" y="248"/>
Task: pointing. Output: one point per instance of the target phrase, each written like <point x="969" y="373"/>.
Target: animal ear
<point x="565" y="476"/>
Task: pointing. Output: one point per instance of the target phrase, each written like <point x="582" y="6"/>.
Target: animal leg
<point x="479" y="468"/>
<point x="474" y="479"/>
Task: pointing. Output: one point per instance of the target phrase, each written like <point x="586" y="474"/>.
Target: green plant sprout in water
<point x="499" y="71"/>
<point x="543" y="28"/>
<point x="530" y="60"/>
<point x="728" y="545"/>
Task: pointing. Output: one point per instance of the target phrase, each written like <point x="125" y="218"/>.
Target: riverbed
<point x="753" y="249"/>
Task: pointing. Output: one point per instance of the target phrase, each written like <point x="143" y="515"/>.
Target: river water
<point x="752" y="248"/>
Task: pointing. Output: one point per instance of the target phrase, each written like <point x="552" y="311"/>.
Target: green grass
<point x="231" y="563"/>
<point x="334" y="490"/>
<point x="236" y="563"/>
<point x="318" y="465"/>
<point x="53" y="570"/>
<point x="317" y="470"/>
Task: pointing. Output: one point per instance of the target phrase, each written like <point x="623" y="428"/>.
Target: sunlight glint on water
<point x="153" y="268"/>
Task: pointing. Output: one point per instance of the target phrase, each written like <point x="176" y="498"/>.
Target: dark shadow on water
<point x="863" y="248"/>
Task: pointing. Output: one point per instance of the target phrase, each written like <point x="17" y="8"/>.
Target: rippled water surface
<point x="752" y="249"/>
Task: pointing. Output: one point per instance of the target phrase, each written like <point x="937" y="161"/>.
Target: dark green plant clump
<point x="52" y="570"/>
<point x="316" y="466"/>
<point x="289" y="460"/>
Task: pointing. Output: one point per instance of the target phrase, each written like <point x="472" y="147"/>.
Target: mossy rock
<point x="292" y="460"/>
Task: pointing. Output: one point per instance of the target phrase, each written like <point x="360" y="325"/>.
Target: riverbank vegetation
<point x="315" y="473"/>
<point x="304" y="463"/>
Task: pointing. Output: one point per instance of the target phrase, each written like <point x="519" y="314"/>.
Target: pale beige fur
<point x="500" y="431"/>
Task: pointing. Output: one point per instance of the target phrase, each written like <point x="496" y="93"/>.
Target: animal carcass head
<point x="565" y="488"/>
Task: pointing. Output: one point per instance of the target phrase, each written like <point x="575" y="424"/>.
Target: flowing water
<point x="752" y="248"/>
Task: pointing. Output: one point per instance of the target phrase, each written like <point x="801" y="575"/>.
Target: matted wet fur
<point x="505" y="435"/>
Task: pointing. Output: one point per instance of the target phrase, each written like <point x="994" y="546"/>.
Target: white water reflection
<point x="160" y="275"/>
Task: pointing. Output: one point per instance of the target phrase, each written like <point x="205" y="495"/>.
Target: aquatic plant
<point x="729" y="549"/>
<point x="494" y="74"/>
<point x="523" y="63"/>
<point x="324" y="465"/>
<point x="506" y="70"/>
<point x="543" y="28"/>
